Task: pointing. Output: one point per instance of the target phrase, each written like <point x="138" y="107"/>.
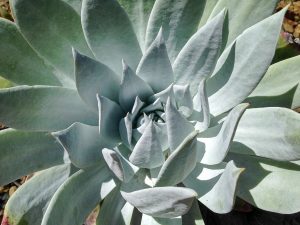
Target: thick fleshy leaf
<point x="184" y="99"/>
<point x="111" y="38"/>
<point x="43" y="108"/>
<point x="180" y="163"/>
<point x="155" y="67"/>
<point x="23" y="153"/>
<point x="239" y="14"/>
<point x="83" y="143"/>
<point x="179" y="20"/>
<point x="111" y="207"/>
<point x="209" y="6"/>
<point x="269" y="185"/>
<point x="110" y="115"/>
<point x="83" y="190"/>
<point x="76" y="5"/>
<point x="161" y="98"/>
<point x="118" y="164"/>
<point x="230" y="83"/>
<point x="269" y="132"/>
<point x="215" y="186"/>
<point x="137" y="106"/>
<point x="93" y="77"/>
<point x="217" y="147"/>
<point x="193" y="216"/>
<point x="138" y="12"/>
<point x="131" y="87"/>
<point x="178" y="127"/>
<point x="29" y="203"/>
<point x="148" y="152"/>
<point x="164" y="202"/>
<point x="125" y="129"/>
<point x="19" y="63"/>
<point x="279" y="79"/>
<point x="198" y="57"/>
<point x="54" y="21"/>
<point x="201" y="108"/>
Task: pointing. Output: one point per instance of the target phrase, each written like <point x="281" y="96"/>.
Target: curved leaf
<point x="179" y="20"/>
<point x="55" y="21"/>
<point x="93" y="77"/>
<point x="83" y="191"/>
<point x="43" y="108"/>
<point x="279" y="79"/>
<point x="109" y="33"/>
<point x="269" y="185"/>
<point x="231" y="83"/>
<point x="131" y="87"/>
<point x="110" y="115"/>
<point x="199" y="55"/>
<point x="184" y="99"/>
<point x="19" y="63"/>
<point x="155" y="67"/>
<point x="269" y="132"/>
<point x="23" y="153"/>
<point x="83" y="144"/>
<point x="164" y="202"/>
<point x="180" y="163"/>
<point x="29" y="203"/>
<point x="148" y="152"/>
<point x="244" y="14"/>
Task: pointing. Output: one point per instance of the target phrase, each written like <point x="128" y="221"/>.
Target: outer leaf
<point x="199" y="55"/>
<point x="244" y="14"/>
<point x="209" y="6"/>
<point x="43" y="108"/>
<point x="83" y="191"/>
<point x="148" y="152"/>
<point x="180" y="163"/>
<point x="54" y="20"/>
<point x="178" y="127"/>
<point x="179" y="20"/>
<point x="155" y="67"/>
<point x="83" y="143"/>
<point x="230" y="83"/>
<point x="111" y="38"/>
<point x="23" y="153"/>
<point x="138" y="12"/>
<point x="110" y="114"/>
<point x="217" y="147"/>
<point x="110" y="212"/>
<point x="164" y="202"/>
<point x="215" y="191"/>
<point x="19" y="63"/>
<point x="131" y="87"/>
<point x="269" y="132"/>
<point x="28" y="204"/>
<point x="93" y="77"/>
<point x="280" y="78"/>
<point x="269" y="185"/>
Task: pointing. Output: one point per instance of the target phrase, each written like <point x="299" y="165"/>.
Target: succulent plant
<point x="146" y="108"/>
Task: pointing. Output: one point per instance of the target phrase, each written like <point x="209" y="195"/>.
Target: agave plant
<point x="146" y="109"/>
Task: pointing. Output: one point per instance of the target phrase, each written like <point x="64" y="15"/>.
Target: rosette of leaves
<point x="146" y="108"/>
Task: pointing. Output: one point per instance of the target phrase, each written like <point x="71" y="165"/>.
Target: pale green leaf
<point x="164" y="202"/>
<point x="109" y="33"/>
<point x="43" y="108"/>
<point x="23" y="153"/>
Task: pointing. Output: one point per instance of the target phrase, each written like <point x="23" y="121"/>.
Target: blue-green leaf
<point x="179" y="20"/>
<point x="43" y="108"/>
<point x="29" y="203"/>
<point x="19" y="63"/>
<point x="93" y="77"/>
<point x="199" y="55"/>
<point x="231" y="83"/>
<point x="23" y="153"/>
<point x="109" y="33"/>
<point x="164" y="202"/>
<point x="83" y="190"/>
<point x="148" y="152"/>
<point x="155" y="67"/>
